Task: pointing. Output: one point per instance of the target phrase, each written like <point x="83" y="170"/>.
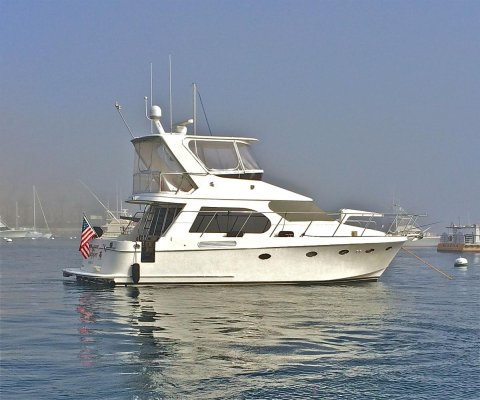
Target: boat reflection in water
<point x="191" y="340"/>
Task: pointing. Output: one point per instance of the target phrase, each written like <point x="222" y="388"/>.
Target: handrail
<point x="243" y="226"/>
<point x="310" y="223"/>
<point x="131" y="225"/>
<point x="304" y="225"/>
<point x="368" y="223"/>
<point x="209" y="222"/>
<point x="283" y="220"/>
<point x="341" y="223"/>
<point x="157" y="181"/>
<point x="276" y="226"/>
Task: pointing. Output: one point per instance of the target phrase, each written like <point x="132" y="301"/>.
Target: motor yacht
<point x="208" y="218"/>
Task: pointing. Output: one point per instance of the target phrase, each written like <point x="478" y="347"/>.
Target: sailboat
<point x="7" y="233"/>
<point x="34" y="234"/>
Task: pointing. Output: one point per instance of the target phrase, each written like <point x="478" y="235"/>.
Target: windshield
<point x="224" y="155"/>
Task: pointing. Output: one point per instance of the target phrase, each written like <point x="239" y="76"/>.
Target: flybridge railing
<point x="156" y="181"/>
<point x="133" y="222"/>
<point x="236" y="223"/>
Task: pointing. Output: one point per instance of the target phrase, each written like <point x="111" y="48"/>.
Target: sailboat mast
<point x="34" y="207"/>
<point x="43" y="212"/>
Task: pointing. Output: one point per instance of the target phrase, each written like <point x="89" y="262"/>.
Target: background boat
<point x="9" y="233"/>
<point x="406" y="224"/>
<point x="34" y="233"/>
<point x="26" y="233"/>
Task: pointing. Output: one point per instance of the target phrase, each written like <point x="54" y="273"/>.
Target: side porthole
<point x="311" y="254"/>
<point x="264" y="256"/>
<point x="343" y="252"/>
<point x="388" y="248"/>
<point x="369" y="251"/>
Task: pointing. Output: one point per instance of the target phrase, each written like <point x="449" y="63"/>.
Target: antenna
<point x="151" y="94"/>
<point x="194" y="108"/>
<point x="170" y="87"/>
<point x="204" y="112"/>
<point x="119" y="107"/>
<point x="146" y="107"/>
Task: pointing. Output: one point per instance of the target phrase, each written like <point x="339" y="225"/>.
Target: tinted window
<point x="157" y="220"/>
<point x="221" y="220"/>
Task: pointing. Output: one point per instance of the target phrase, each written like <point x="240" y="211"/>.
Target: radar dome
<point x="155" y="112"/>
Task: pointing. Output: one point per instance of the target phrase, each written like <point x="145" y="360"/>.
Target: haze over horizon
<point x="356" y="104"/>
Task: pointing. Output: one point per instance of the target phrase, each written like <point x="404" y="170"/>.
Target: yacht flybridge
<point x="208" y="218"/>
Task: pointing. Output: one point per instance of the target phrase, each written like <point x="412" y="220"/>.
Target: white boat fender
<point x="461" y="262"/>
<point x="136" y="273"/>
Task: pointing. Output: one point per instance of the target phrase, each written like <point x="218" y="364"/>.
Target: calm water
<point x="413" y="334"/>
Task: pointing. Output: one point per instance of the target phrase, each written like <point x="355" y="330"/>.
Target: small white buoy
<point x="461" y="262"/>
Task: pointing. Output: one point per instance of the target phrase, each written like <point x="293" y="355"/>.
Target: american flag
<point x="87" y="234"/>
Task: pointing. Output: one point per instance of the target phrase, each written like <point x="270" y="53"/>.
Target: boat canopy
<point x="299" y="210"/>
<point x="228" y="157"/>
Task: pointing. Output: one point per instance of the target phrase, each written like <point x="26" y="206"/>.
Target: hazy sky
<point x="356" y="103"/>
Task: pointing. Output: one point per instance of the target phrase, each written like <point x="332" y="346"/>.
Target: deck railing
<point x="289" y="222"/>
<point x="156" y="181"/>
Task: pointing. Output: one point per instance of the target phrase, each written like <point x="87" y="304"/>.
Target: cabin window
<point x="158" y="219"/>
<point x="221" y="220"/>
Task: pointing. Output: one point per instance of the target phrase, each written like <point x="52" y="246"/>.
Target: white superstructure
<point x="209" y="218"/>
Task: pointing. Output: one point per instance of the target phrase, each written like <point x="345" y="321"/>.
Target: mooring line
<point x="427" y="263"/>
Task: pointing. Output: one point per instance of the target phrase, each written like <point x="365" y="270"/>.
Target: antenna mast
<point x="151" y="94"/>
<point x="194" y="108"/>
<point x="170" y="89"/>
<point x="119" y="107"/>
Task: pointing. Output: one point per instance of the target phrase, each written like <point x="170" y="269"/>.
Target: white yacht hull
<point x="428" y="241"/>
<point x="14" y="234"/>
<point x="320" y="262"/>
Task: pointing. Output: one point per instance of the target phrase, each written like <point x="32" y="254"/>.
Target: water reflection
<point x="476" y="259"/>
<point x="87" y="319"/>
<point x="207" y="339"/>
